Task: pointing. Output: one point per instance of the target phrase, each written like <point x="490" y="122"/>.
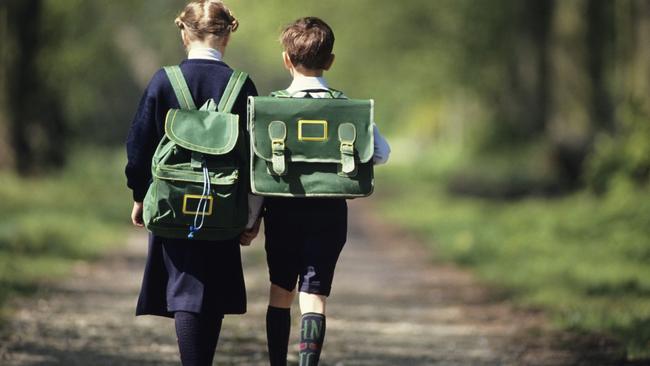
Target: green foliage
<point x="512" y="172"/>
<point x="48" y="224"/>
<point x="85" y="66"/>
<point x="485" y="75"/>
<point x="582" y="258"/>
<point x="621" y="161"/>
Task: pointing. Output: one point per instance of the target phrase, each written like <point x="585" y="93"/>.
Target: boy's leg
<point x="278" y="324"/>
<point x="279" y="297"/>
<point x="282" y="293"/>
<point x="315" y="283"/>
<point x="312" y="303"/>
<point x="312" y="336"/>
<point x="283" y="259"/>
<point x="312" y="325"/>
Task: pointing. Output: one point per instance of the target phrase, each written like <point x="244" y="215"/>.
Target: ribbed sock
<point x="278" y="327"/>
<point x="312" y="335"/>
<point x="197" y="337"/>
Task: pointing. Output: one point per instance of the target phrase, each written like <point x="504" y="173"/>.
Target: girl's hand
<point x="248" y="235"/>
<point x="136" y="214"/>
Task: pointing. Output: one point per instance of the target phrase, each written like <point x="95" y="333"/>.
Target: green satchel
<point x="199" y="187"/>
<point x="311" y="147"/>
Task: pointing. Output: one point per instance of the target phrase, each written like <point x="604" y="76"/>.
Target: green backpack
<point x="199" y="188"/>
<point x="311" y="147"/>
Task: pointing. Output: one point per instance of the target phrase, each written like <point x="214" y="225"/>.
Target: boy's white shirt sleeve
<point x="254" y="208"/>
<point x="382" y="149"/>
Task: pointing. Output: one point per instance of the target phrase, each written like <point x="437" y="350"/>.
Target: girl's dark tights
<point x="197" y="337"/>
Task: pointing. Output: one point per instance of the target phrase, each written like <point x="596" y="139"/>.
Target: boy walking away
<point x="304" y="236"/>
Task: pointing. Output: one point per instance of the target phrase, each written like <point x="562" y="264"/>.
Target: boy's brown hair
<point x="309" y="43"/>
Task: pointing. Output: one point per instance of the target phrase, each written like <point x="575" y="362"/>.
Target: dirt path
<point x="390" y="306"/>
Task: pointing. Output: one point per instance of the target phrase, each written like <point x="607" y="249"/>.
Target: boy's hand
<point x="136" y="214"/>
<point x="248" y="235"/>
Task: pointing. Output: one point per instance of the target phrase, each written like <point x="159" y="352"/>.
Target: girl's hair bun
<point x="203" y="18"/>
<point x="234" y="23"/>
<point x="179" y="22"/>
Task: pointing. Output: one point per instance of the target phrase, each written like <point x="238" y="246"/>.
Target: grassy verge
<point x="584" y="259"/>
<point x="48" y="224"/>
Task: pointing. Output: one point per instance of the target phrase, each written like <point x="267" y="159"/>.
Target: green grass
<point x="49" y="223"/>
<point x="585" y="259"/>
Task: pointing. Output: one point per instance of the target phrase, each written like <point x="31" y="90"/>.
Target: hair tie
<point x="179" y="23"/>
<point x="234" y="25"/>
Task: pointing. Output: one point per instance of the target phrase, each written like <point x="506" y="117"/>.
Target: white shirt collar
<point x="306" y="83"/>
<point x="204" y="53"/>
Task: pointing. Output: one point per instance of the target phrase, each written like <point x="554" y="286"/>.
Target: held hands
<point x="248" y="235"/>
<point x="136" y="214"/>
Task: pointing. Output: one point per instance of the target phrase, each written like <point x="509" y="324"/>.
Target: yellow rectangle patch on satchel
<point x="311" y="130"/>
<point x="191" y="204"/>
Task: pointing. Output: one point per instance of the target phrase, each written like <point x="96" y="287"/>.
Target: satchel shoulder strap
<point x="337" y="94"/>
<point x="180" y="87"/>
<point x="281" y="94"/>
<point x="230" y="94"/>
<point x="332" y="93"/>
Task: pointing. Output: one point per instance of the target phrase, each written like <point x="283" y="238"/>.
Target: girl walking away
<point x="196" y="282"/>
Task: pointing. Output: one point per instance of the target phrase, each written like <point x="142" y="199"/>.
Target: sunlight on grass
<point x="49" y="223"/>
<point x="583" y="258"/>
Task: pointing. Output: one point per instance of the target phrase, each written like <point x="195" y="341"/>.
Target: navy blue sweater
<point x="206" y="79"/>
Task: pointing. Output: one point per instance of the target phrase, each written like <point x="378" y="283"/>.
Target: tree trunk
<point x="541" y="13"/>
<point x="600" y="32"/>
<point x="34" y="115"/>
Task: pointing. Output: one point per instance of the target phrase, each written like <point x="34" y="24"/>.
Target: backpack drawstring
<point x="203" y="203"/>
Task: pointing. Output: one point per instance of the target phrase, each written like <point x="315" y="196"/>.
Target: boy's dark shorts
<point x="304" y="237"/>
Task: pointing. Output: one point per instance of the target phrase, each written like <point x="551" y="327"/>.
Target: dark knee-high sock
<point x="312" y="335"/>
<point x="278" y="327"/>
<point x="197" y="337"/>
<point x="188" y="333"/>
<point x="210" y="330"/>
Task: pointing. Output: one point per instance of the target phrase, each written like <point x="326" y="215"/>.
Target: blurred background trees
<point x="565" y="81"/>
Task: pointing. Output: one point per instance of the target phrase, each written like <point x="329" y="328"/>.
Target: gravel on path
<point x="391" y="304"/>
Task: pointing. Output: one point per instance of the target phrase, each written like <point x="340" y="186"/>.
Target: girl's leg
<point x="278" y="324"/>
<point x="210" y="331"/>
<point x="312" y="328"/>
<point x="197" y="337"/>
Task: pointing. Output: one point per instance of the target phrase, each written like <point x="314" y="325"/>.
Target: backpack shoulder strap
<point x="281" y="94"/>
<point x="235" y="84"/>
<point x="180" y="87"/>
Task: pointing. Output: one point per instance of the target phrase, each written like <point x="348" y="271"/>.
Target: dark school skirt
<point x="204" y="277"/>
<point x="304" y="238"/>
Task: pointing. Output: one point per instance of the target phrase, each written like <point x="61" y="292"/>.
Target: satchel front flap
<point x="204" y="131"/>
<point x="312" y="127"/>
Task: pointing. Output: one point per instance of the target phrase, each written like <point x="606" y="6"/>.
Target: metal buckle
<point x="277" y="146"/>
<point x="304" y="122"/>
<point x="347" y="147"/>
<point x="197" y="197"/>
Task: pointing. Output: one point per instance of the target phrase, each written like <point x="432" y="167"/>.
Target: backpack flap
<point x="297" y="130"/>
<point x="202" y="131"/>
